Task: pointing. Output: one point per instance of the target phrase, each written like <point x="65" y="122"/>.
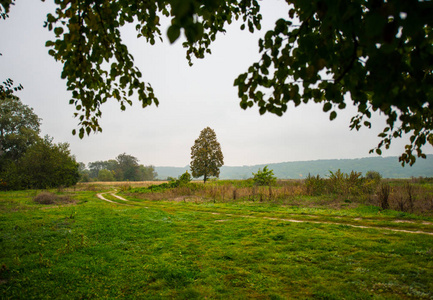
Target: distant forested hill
<point x="388" y="167"/>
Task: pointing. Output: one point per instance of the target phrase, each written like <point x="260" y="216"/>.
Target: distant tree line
<point x="26" y="160"/>
<point x="124" y="167"/>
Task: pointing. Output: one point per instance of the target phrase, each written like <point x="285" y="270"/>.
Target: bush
<point x="184" y="179"/>
<point x="50" y="198"/>
<point x="340" y="183"/>
<point x="315" y="185"/>
<point x="43" y="165"/>
<point x="373" y="175"/>
<point x="344" y="184"/>
<point x="264" y="177"/>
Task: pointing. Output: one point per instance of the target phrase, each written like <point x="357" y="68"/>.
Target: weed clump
<point x="51" y="198"/>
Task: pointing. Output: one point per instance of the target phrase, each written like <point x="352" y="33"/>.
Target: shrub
<point x="264" y="177"/>
<point x="315" y="185"/>
<point x="373" y="175"/>
<point x="50" y="198"/>
<point x="344" y="184"/>
<point x="43" y="165"/>
<point x="184" y="179"/>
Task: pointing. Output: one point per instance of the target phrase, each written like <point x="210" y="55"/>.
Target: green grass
<point x="183" y="250"/>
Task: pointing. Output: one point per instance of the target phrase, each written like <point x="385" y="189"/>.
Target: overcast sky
<point x="191" y="98"/>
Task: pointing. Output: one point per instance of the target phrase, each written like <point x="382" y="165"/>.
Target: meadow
<point x="222" y="240"/>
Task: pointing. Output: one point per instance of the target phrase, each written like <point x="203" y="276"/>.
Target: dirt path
<point x="113" y="193"/>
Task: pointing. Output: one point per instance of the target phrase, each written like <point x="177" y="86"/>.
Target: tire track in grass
<point x="113" y="193"/>
<point x="352" y="225"/>
<point x="326" y="223"/>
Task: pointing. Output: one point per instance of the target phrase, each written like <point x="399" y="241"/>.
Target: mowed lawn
<point x="159" y="249"/>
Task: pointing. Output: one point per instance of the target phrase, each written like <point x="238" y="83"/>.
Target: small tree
<point x="264" y="177"/>
<point x="373" y="175"/>
<point x="105" y="175"/>
<point x="206" y="155"/>
<point x="19" y="129"/>
<point x="184" y="179"/>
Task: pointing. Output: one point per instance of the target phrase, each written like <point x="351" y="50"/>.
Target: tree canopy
<point x="26" y="160"/>
<point x="124" y="167"/>
<point x="19" y="128"/>
<point x="43" y="165"/>
<point x="376" y="54"/>
<point x="206" y="155"/>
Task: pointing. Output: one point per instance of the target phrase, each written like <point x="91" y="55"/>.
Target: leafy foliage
<point x="7" y="88"/>
<point x="147" y="172"/>
<point x="376" y="54"/>
<point x="264" y="177"/>
<point x="105" y="175"/>
<point x="19" y="128"/>
<point x="98" y="66"/>
<point x="26" y="160"/>
<point x="96" y="166"/>
<point x="5" y="7"/>
<point x="206" y="155"/>
<point x="124" y="167"/>
<point x="127" y="167"/>
<point x="185" y="178"/>
<point x="43" y="165"/>
<point x="46" y="165"/>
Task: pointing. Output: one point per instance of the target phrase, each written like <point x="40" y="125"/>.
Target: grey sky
<point x="191" y="98"/>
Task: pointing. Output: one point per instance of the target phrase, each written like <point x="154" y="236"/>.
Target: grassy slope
<point x="153" y="250"/>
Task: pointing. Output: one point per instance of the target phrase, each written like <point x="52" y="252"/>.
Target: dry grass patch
<point x="51" y="198"/>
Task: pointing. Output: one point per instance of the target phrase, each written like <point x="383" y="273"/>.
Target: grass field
<point x="82" y="247"/>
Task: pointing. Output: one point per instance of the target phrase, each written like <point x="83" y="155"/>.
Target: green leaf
<point x="327" y="107"/>
<point x="173" y="33"/>
<point x="333" y="115"/>
<point x="58" y="31"/>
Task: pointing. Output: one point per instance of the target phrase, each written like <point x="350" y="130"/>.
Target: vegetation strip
<point x="288" y="220"/>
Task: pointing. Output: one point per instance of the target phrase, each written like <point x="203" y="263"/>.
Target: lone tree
<point x="375" y="54"/>
<point x="206" y="155"/>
